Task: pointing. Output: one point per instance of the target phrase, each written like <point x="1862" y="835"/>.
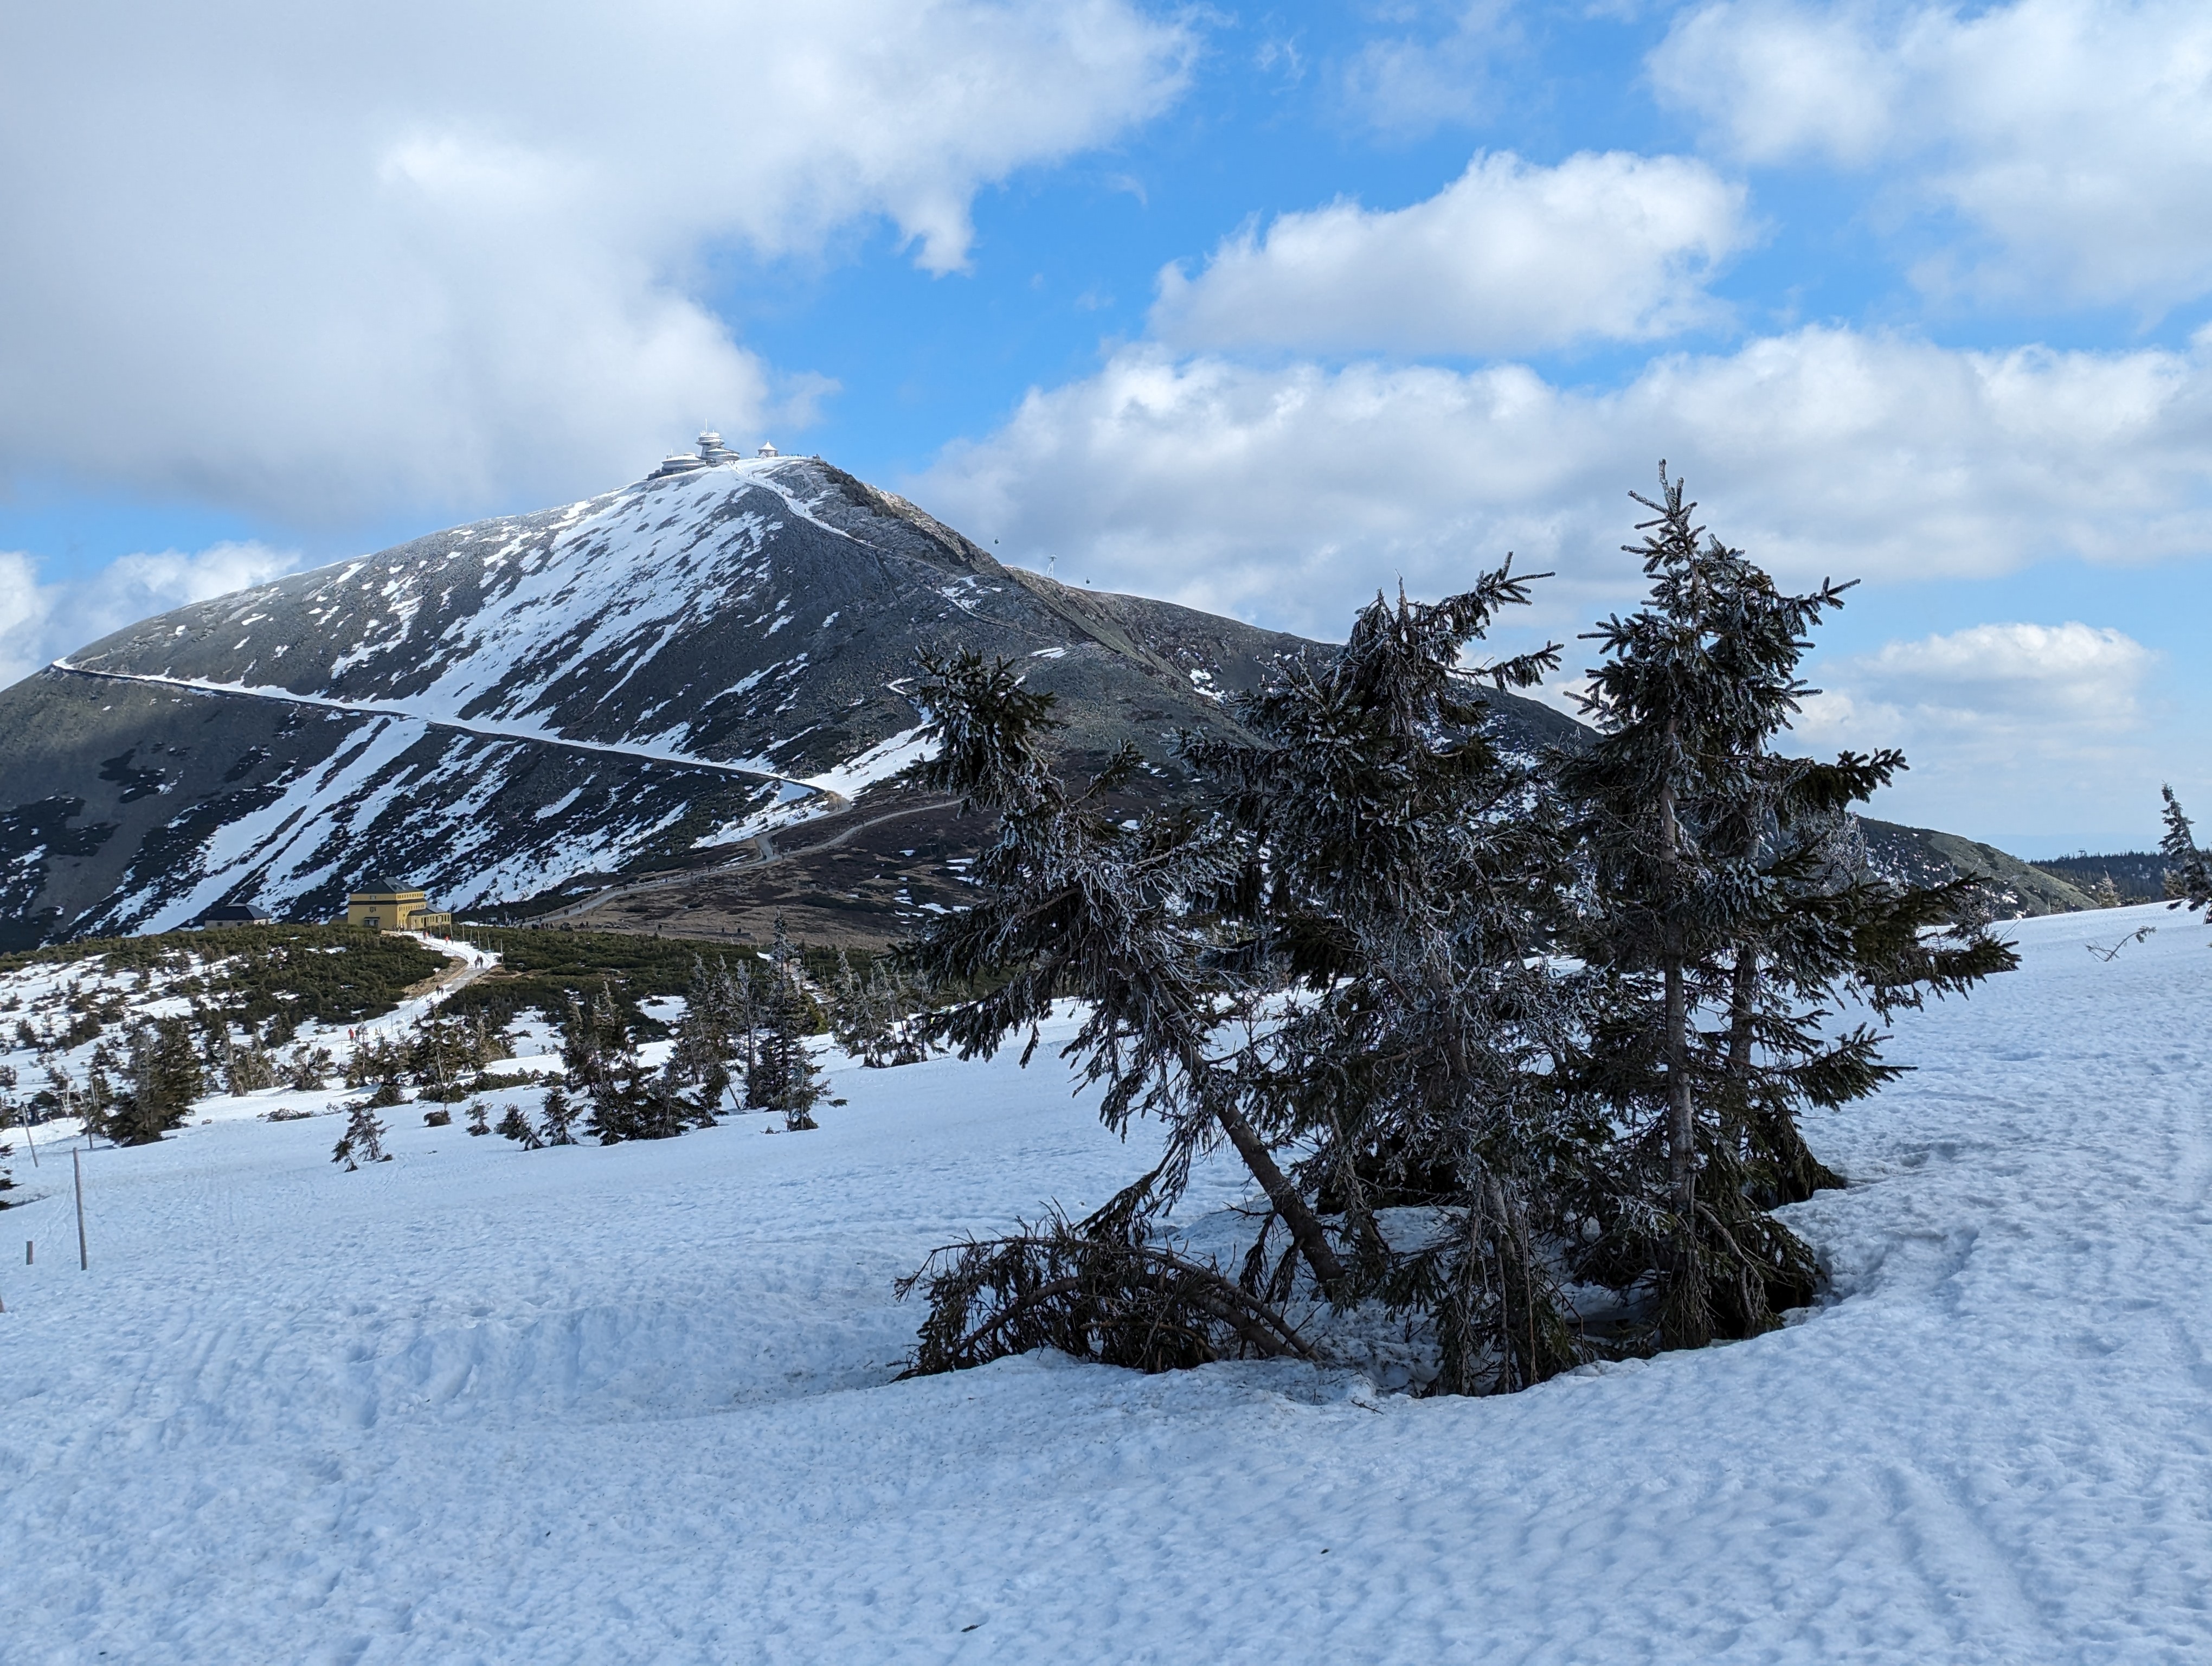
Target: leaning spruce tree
<point x="1074" y="901"/>
<point x="362" y="1140"/>
<point x="1725" y="910"/>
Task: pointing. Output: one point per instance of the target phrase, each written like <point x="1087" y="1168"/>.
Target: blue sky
<point x="1255" y="309"/>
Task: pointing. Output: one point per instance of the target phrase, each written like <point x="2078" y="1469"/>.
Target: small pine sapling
<point x="513" y="1125"/>
<point x="477" y="1122"/>
<point x="362" y="1140"/>
<point x="556" y="1123"/>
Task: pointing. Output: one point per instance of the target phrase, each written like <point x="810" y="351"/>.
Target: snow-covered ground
<point x="484" y="1404"/>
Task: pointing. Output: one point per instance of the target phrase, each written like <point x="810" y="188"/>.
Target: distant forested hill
<point x="2138" y="875"/>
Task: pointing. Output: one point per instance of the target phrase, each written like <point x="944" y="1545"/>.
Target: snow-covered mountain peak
<point x="652" y="676"/>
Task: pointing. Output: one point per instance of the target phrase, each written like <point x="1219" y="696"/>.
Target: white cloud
<point x="2078" y="675"/>
<point x="2011" y="729"/>
<point x="1289" y="494"/>
<point x="312" y="260"/>
<point x="2076" y="135"/>
<point x="1994" y="689"/>
<point x="1508" y="257"/>
<point x="1420" y="79"/>
<point x="40" y="622"/>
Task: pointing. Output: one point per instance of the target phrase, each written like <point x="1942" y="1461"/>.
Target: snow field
<point x="481" y="1404"/>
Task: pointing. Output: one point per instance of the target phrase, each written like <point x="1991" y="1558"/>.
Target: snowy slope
<point x="587" y="1405"/>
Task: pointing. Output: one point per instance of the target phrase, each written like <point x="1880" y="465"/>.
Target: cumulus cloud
<point x="2075" y="675"/>
<point x="313" y="261"/>
<point x="2073" y="135"/>
<point x="40" y="622"/>
<point x="1996" y="687"/>
<point x="1508" y="257"/>
<point x="2009" y="728"/>
<point x="1288" y="494"/>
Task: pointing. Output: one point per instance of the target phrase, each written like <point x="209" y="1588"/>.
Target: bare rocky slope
<point x="676" y="702"/>
<point x="1922" y="855"/>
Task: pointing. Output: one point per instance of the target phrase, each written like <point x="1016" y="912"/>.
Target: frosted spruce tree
<point x="1399" y="884"/>
<point x="735" y="995"/>
<point x="700" y="1056"/>
<point x="872" y="1018"/>
<point x="1726" y="911"/>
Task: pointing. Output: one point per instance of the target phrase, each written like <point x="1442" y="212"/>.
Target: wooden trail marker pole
<point x="76" y="1163"/>
<point x="23" y="1122"/>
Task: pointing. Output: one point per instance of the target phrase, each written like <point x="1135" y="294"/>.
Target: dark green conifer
<point x="164" y="1078"/>
<point x="783" y="1076"/>
<point x="1399" y="883"/>
<point x="1727" y="913"/>
<point x="556" y="1121"/>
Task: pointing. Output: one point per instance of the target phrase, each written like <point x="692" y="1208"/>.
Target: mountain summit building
<point x="382" y="906"/>
<point x="711" y="452"/>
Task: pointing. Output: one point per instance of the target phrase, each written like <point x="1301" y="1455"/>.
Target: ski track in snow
<point x="480" y="1404"/>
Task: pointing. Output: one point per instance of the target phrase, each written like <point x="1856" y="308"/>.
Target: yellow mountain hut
<point x="383" y="906"/>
